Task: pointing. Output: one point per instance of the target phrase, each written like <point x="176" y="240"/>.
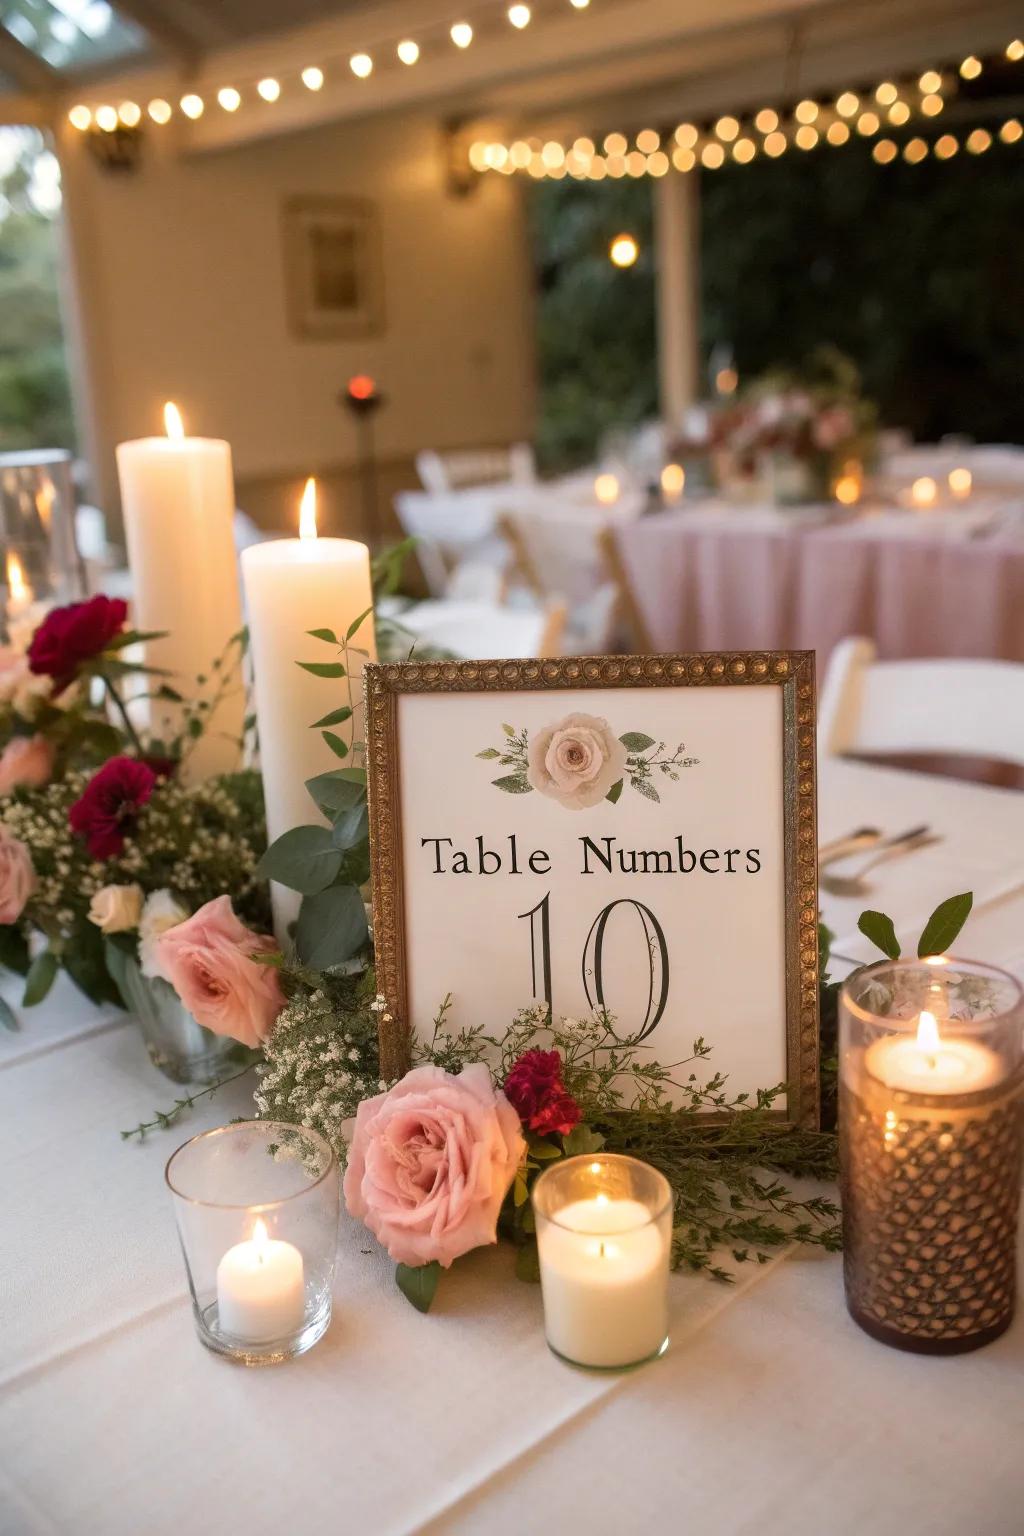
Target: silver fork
<point x="895" y="848"/>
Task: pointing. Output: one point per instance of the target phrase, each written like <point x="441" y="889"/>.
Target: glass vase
<point x="178" y="1046"/>
<point x="41" y="565"/>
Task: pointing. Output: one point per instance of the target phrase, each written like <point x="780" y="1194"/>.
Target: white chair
<point x="559" y="553"/>
<point x="485" y="631"/>
<point x="440" y="472"/>
<point x="945" y="707"/>
<point x="451" y="528"/>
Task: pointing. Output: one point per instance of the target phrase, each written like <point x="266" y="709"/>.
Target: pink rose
<point x="17" y="876"/>
<point x="577" y="761"/>
<point x="25" y="761"/>
<point x="207" y="960"/>
<point x="430" y="1163"/>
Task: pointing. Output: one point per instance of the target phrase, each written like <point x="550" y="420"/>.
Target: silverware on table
<point x="893" y="848"/>
<point x="853" y="842"/>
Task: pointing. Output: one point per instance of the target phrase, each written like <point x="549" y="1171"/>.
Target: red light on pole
<point x="361" y="387"/>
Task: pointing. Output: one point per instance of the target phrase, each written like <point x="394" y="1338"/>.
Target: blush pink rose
<point x="17" y="876"/>
<point x="208" y="961"/>
<point x="26" y="761"/>
<point x="577" y="761"/>
<point x="431" y="1162"/>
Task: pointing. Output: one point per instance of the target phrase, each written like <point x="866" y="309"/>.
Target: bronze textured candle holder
<point x="930" y="1147"/>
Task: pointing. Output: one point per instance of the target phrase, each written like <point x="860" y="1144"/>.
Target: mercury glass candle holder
<point x="257" y="1210"/>
<point x="41" y="564"/>
<point x="930" y="1148"/>
<point x="604" y="1239"/>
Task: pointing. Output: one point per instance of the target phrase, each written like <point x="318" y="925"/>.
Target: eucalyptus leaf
<point x="305" y="859"/>
<point x="615" y="791"/>
<point x="513" y="784"/>
<point x="42" y="973"/>
<point x="945" y="923"/>
<point x="336" y="744"/>
<point x="14" y="954"/>
<point x="337" y="790"/>
<point x="520" y="1191"/>
<point x="418" y="1283"/>
<point x="643" y="787"/>
<point x="8" y="1018"/>
<point x="324" y="634"/>
<point x="636" y="741"/>
<point x="581" y="1140"/>
<point x="489" y="752"/>
<point x="336" y="717"/>
<point x="351" y="827"/>
<point x="118" y="963"/>
<point x="878" y="927"/>
<point x="331" y="927"/>
<point x="354" y="626"/>
<point x="322" y="668"/>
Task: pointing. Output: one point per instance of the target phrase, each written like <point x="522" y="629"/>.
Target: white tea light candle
<point x="604" y="1260"/>
<point x="929" y="1063"/>
<point x="260" y="1289"/>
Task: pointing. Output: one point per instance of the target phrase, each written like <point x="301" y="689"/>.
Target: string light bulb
<point x="192" y="105"/>
<point x="886" y="93"/>
<point x="159" y="110"/>
<point x="229" y="98"/>
<point x="884" y="151"/>
<point x="775" y="145"/>
<point x="361" y="65"/>
<point x="1011" y="131"/>
<point x="744" y="151"/>
<point x="579" y="5"/>
<point x="615" y="144"/>
<point x="915" y="151"/>
<point x="848" y="104"/>
<point x="106" y="119"/>
<point x="838" y="133"/>
<point x="930" y="82"/>
<point x="970" y="69"/>
<point x="977" y="141"/>
<point x="727" y="128"/>
<point x="686" y="136"/>
<point x="932" y="105"/>
<point x="80" y="117"/>
<point x="899" y="113"/>
<point x="623" y="252"/>
<point x="806" y="111"/>
<point x="946" y="147"/>
<point x="129" y="113"/>
<point x="408" y="51"/>
<point x="767" y="120"/>
<point x="868" y="124"/>
<point x="312" y="78"/>
<point x="1015" y="50"/>
<point x="712" y="156"/>
<point x="647" y="141"/>
<point x="461" y="34"/>
<point x="806" y="137"/>
<point x="519" y="16"/>
<point x="269" y="88"/>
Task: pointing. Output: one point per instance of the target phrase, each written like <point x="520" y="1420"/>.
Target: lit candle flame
<point x="960" y="483"/>
<point x="173" y="424"/>
<point x="928" y="1033"/>
<point x="924" y="492"/>
<point x="307" y="511"/>
<point x="606" y="489"/>
<point x="260" y="1239"/>
<point x="17" y="586"/>
<point x="45" y="497"/>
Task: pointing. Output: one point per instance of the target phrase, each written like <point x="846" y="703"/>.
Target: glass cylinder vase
<point x="37" y="530"/>
<point x="604" y="1240"/>
<point x="180" y="1047"/>
<point x="930" y="1151"/>
<point x="257" y="1207"/>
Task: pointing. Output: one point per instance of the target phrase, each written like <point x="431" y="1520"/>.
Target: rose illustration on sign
<point x="579" y="761"/>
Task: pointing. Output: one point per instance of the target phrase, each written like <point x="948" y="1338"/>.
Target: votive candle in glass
<point x="604" y="1239"/>
<point x="257" y="1208"/>
<point x="930" y="1149"/>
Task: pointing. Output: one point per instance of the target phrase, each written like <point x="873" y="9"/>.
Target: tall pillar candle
<point x="291" y="587"/>
<point x="178" y="502"/>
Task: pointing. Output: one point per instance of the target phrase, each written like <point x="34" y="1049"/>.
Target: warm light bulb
<point x="970" y="69"/>
<point x="479" y="155"/>
<point x="307" y="511"/>
<point x="884" y="151"/>
<point x="1015" y="50"/>
<point x="408" y="51"/>
<point x="159" y="110"/>
<point x="977" y="141"/>
<point x="17" y="586"/>
<point x="579" y="5"/>
<point x="687" y="136"/>
<point x="924" y="491"/>
<point x="173" y="424"/>
<point x="847" y="105"/>
<point x="615" y="144"/>
<point x="106" y="119"/>
<point x="657" y="164"/>
<point x="932" y="105"/>
<point x="673" y="481"/>
<point x="744" y="151"/>
<point x="847" y="489"/>
<point x="712" y="156"/>
<point x="726" y="381"/>
<point x="946" y="147"/>
<point x="767" y="120"/>
<point x="806" y="111"/>
<point x="519" y="16"/>
<point x="229" y="98"/>
<point x="915" y="151"/>
<point x="805" y="137"/>
<point x="648" y="141"/>
<point x="899" y="112"/>
<point x="361" y="64"/>
<point x="727" y="128"/>
<point x="606" y="489"/>
<point x="312" y="78"/>
<point x="129" y="112"/>
<point x="838" y="133"/>
<point x="868" y="123"/>
<point x="775" y="145"/>
<point x="930" y="82"/>
<point x="583" y="147"/>
<point x="461" y="34"/>
<point x="1011" y="131"/>
<point x="636" y="163"/>
<point x="960" y="483"/>
<point x="684" y="159"/>
<point x="886" y="94"/>
<point x="928" y="1032"/>
<point x="192" y="105"/>
<point x="80" y="117"/>
<point x="269" y="88"/>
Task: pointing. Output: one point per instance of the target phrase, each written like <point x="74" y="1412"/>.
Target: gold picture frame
<point x="791" y="672"/>
<point x="334" y="276"/>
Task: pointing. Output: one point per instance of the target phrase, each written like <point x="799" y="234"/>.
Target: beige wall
<point x="177" y="275"/>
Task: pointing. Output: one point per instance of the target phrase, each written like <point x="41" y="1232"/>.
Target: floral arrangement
<point x="579" y="761"/>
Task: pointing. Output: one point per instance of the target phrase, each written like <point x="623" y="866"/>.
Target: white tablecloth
<point x="772" y="1413"/>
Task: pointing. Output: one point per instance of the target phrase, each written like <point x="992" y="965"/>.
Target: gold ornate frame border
<point x="790" y="671"/>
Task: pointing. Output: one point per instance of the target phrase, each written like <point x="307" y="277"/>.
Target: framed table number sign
<point x="632" y="833"/>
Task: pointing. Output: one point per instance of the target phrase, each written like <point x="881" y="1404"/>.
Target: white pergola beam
<point x="30" y="73"/>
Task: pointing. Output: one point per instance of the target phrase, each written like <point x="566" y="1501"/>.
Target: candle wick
<point x="601" y="1249"/>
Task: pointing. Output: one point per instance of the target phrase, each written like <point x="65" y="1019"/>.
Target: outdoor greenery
<point x="910" y="270"/>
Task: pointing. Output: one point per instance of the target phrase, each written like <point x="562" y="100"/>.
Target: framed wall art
<point x="630" y="833"/>
<point x="333" y="270"/>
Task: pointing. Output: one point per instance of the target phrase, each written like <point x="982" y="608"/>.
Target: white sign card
<point x="628" y="833"/>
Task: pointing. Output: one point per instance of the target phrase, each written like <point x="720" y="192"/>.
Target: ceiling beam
<point x="181" y="29"/>
<point x="24" y="67"/>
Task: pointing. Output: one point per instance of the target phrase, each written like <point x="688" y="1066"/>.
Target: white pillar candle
<point x="261" y="1292"/>
<point x="930" y="1063"/>
<point x="178" y="503"/>
<point x="291" y="587"/>
<point x="604" y="1274"/>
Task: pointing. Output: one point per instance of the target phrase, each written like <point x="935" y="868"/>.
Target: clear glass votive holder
<point x="604" y="1239"/>
<point x="257" y="1208"/>
<point x="930" y="1128"/>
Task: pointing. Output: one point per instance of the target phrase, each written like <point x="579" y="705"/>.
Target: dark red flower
<point x="535" y="1089"/>
<point x="108" y="809"/>
<point x="72" y="635"/>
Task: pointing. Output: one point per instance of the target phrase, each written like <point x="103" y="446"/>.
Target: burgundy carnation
<point x="72" y="635"/>
<point x="108" y="809"/>
<point x="535" y="1089"/>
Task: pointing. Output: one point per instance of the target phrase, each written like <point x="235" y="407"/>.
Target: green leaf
<point x="878" y="927"/>
<point x="14" y="955"/>
<point x="520" y="1191"/>
<point x="85" y="961"/>
<point x="636" y="741"/>
<point x="418" y="1283"/>
<point x="351" y="827"/>
<point x="305" y="859"/>
<point x="322" y="668"/>
<point x="8" y="1018"/>
<point x="133" y="637"/>
<point x="42" y="973"/>
<point x="336" y="717"/>
<point x="543" y="1151"/>
<point x="490" y="752"/>
<point x="338" y="790"/>
<point x="528" y="1264"/>
<point x="615" y="791"/>
<point x="581" y="1140"/>
<point x="643" y="787"/>
<point x="508" y="730"/>
<point x="331" y="927"/>
<point x="324" y="634"/>
<point x="513" y="784"/>
<point x="337" y="746"/>
<point x="945" y="923"/>
<point x="354" y="626"/>
<point x="118" y="965"/>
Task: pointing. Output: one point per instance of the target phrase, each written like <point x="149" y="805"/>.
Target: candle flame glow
<point x="606" y="489"/>
<point x="17" y="586"/>
<point x="928" y="1032"/>
<point x="924" y="491"/>
<point x="173" y="424"/>
<point x="260" y="1239"/>
<point x="307" y="511"/>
